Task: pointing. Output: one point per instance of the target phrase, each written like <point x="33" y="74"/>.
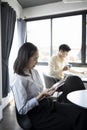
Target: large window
<point x="49" y="33"/>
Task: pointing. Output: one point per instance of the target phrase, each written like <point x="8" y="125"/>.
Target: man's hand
<point x="65" y="68"/>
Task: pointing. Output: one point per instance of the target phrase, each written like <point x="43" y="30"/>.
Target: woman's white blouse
<point x="25" y="89"/>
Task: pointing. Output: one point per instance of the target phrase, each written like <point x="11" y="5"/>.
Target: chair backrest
<point x="23" y="121"/>
<point x="49" y="80"/>
<point x="72" y="83"/>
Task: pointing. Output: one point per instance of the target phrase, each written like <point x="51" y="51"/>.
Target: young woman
<point x="32" y="99"/>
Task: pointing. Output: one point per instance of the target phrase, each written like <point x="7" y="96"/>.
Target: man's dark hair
<point x="64" y="47"/>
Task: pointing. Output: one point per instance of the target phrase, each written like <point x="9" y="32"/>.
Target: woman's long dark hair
<point x="25" y="52"/>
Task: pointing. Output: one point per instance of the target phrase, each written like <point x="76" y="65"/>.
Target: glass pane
<point x="38" y="32"/>
<point x="68" y="30"/>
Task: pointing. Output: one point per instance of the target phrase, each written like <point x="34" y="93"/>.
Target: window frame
<point x="83" y="45"/>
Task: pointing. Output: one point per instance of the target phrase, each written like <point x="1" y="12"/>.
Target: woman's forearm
<point x="40" y="96"/>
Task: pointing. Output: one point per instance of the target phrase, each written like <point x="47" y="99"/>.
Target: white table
<point x="78" y="97"/>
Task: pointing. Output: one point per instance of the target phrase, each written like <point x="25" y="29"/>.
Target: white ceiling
<point x="30" y="3"/>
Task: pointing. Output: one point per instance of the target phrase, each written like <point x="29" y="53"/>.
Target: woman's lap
<point x="54" y="115"/>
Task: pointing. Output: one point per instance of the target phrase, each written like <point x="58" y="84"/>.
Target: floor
<point x="9" y="119"/>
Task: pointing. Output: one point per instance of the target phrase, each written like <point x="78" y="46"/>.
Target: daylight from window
<point x="13" y="55"/>
<point x="66" y="30"/>
<point x="38" y="32"/>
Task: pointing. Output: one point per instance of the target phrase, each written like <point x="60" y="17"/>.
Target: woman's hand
<point x="45" y="93"/>
<point x="48" y="92"/>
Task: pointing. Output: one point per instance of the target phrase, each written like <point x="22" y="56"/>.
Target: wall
<point x="55" y="8"/>
<point x="5" y="101"/>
